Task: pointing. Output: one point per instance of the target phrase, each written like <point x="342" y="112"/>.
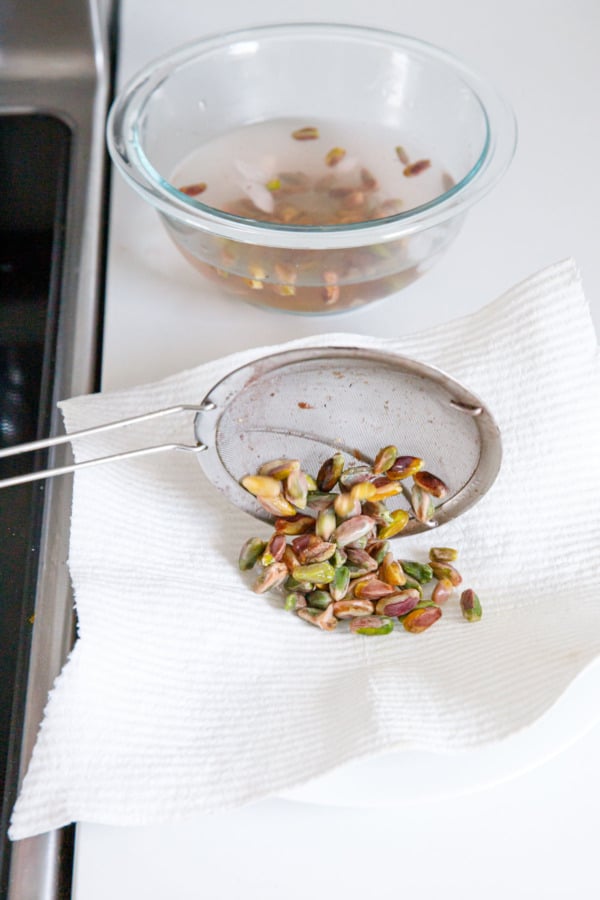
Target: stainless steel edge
<point x="57" y="61"/>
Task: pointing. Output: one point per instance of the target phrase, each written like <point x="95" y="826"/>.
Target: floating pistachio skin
<point x="470" y="606"/>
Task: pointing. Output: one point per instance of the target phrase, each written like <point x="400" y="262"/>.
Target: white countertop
<point x="516" y="820"/>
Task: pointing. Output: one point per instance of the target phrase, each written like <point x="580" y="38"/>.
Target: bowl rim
<point x="128" y="155"/>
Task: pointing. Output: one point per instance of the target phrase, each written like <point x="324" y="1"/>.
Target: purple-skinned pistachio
<point x="352" y="529"/>
<point x="398" y="604"/>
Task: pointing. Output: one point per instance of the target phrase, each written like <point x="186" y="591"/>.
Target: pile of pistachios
<point x="330" y="553"/>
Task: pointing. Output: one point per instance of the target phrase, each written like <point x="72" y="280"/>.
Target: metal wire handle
<point x="43" y="443"/>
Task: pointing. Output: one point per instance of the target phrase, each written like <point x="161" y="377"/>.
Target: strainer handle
<point x="44" y="443"/>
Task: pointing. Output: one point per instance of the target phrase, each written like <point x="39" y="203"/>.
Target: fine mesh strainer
<point x="310" y="403"/>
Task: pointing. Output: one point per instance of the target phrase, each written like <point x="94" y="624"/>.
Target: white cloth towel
<point x="186" y="692"/>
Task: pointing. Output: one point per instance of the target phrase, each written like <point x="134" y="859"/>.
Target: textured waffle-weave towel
<point x="186" y="692"/>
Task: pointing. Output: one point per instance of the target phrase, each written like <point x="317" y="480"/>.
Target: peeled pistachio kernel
<point x="356" y="556"/>
<point x="319" y="500"/>
<point x="315" y="573"/>
<point x="294" y="600"/>
<point x="319" y="552"/>
<point x="345" y="505"/>
<point x="364" y="490"/>
<point x="289" y="558"/>
<point x="261" y="485"/>
<point x="340" y="584"/>
<point x="413" y="584"/>
<point x="279" y="468"/>
<point x="274" y="550"/>
<point x="421" y="572"/>
<point x="404" y="467"/>
<point x="325" y="524"/>
<point x="318" y="599"/>
<point x="294" y="525"/>
<point x="355" y="475"/>
<point x="422" y="504"/>
<point x="443" y="554"/>
<point x="296" y="488"/>
<point x="421" y="619"/>
<point x="385" y="459"/>
<point x="398" y="604"/>
<point x="391" y="571"/>
<point x="251" y="550"/>
<point x="349" y="609"/>
<point x="352" y="529"/>
<point x="323" y="619"/>
<point x="399" y="521"/>
<point x="270" y="577"/>
<point x="372" y="625"/>
<point x="442" y="591"/>
<point x="385" y="491"/>
<point x="330" y="471"/>
<point x="446" y="570"/>
<point x="470" y="606"/>
<point x="378" y="550"/>
<point x="373" y="589"/>
<point x="277" y="506"/>
<point x="431" y="483"/>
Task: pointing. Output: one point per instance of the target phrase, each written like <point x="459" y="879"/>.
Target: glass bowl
<point x="311" y="167"/>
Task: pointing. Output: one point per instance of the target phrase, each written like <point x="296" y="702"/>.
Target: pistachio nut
<point x="371" y="625"/>
<point x="251" y="550"/>
<point x="262" y="485"/>
<point x="399" y="520"/>
<point x="277" y="506"/>
<point x="470" y="606"/>
<point x="421" y="572"/>
<point x="318" y="599"/>
<point x="442" y="591"/>
<point x="421" y="619"/>
<point x="315" y="573"/>
<point x="330" y="471"/>
<point x="404" y="467"/>
<point x="443" y="554"/>
<point x="373" y="589"/>
<point x="340" y="584"/>
<point x="398" y="604"/>
<point x="349" y="609"/>
<point x="378" y="550"/>
<point x="270" y="577"/>
<point x="352" y="529"/>
<point x="319" y="500"/>
<point x="431" y="484"/>
<point x="385" y="459"/>
<point x="323" y="619"/>
<point x="446" y="570"/>
<point x="296" y="524"/>
<point x="294" y="600"/>
<point x="274" y="550"/>
<point x="422" y="504"/>
<point x="296" y="489"/>
<point x="279" y="468"/>
<point x="391" y="571"/>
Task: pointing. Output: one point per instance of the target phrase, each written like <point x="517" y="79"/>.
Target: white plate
<point x="410" y="776"/>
